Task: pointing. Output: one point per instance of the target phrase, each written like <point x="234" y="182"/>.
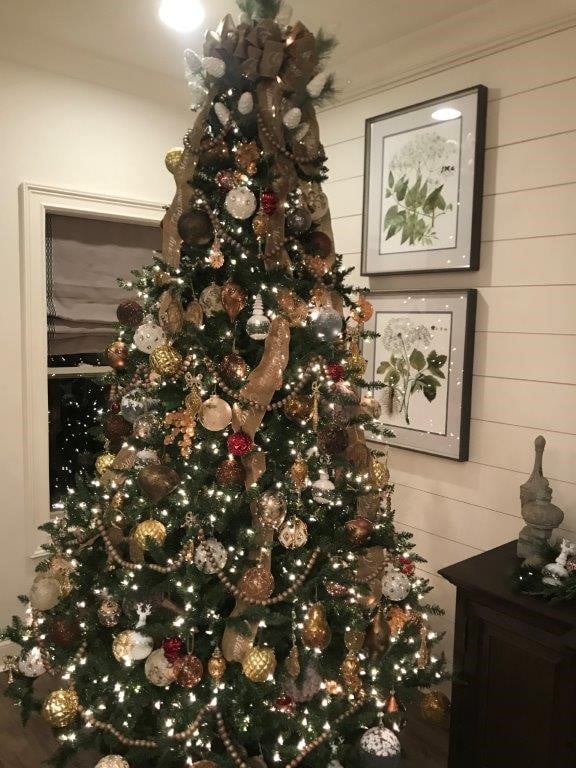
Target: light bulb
<point x="181" y="15"/>
<point x="258" y="325"/>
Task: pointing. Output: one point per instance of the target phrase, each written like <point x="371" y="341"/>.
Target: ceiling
<point x="122" y="44"/>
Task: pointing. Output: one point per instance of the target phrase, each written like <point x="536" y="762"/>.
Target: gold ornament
<point x="294" y="533"/>
<point x="299" y="473"/>
<point x="397" y="619"/>
<point x="435" y="707"/>
<point x="247" y="155"/>
<point x="217" y="666"/>
<point x="362" y="311"/>
<point x="233" y="299"/>
<point x="260" y="224"/>
<point x="173" y="157"/>
<point x="354" y="640"/>
<point x="424" y="650"/>
<point x="165" y="360"/>
<point x="112" y="761"/>
<point x="188" y="670"/>
<point x="359" y="529"/>
<point x="193" y="401"/>
<point x="295" y="308"/>
<point x="378" y="636"/>
<point x="315" y="631"/>
<point x="259" y="664"/>
<point x="316" y="265"/>
<point x="355" y="360"/>
<point x="350" y="671"/>
<point x="379" y="474"/>
<point x="150" y="529"/>
<point x="157" y="481"/>
<point x="104" y="462"/>
<point x="257" y="583"/>
<point x="320" y="295"/>
<point x="292" y="662"/>
<point x="299" y="407"/>
<point x="109" y="612"/>
<point x="60" y="707"/>
<point x="216" y="257"/>
<point x="271" y="509"/>
<point x="117" y="500"/>
<point x="233" y="366"/>
<point x="230" y="472"/>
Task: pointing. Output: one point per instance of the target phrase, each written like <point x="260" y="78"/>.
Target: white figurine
<point x="555" y="572"/>
<point x="143" y="610"/>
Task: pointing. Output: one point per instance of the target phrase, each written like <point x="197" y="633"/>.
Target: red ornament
<point x="115" y="407"/>
<point x="285" y="703"/>
<point x="172" y="647"/>
<point x="226" y="180"/>
<point x="407" y="566"/>
<point x="335" y="371"/>
<point x="239" y="443"/>
<point x="269" y="202"/>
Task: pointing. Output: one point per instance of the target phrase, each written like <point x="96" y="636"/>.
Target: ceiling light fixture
<point x="181" y="15"/>
<point x="446" y="113"/>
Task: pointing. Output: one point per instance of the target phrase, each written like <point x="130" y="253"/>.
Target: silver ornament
<point x="112" y="761"/>
<point x="379" y="746"/>
<point x="292" y="118"/>
<point x="222" y="113"/>
<point x="316" y="85"/>
<point x="149" y="336"/>
<point x="214" y="66"/>
<point x="246" y="103"/>
<point x="258" y="325"/>
<point x="317" y="202"/>
<point x="323" y="489"/>
<point x="44" y="593"/>
<point x="395" y="586"/>
<point x="240" y="203"/>
<point x="192" y="61"/>
<point x="210" y="556"/>
<point x="146" y="456"/>
<point x="327" y="322"/>
<point x="211" y="300"/>
<point x="31" y="664"/>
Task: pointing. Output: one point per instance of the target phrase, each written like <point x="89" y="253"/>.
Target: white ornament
<point x="31" y="664"/>
<point x="258" y="325"/>
<point x="192" y="61"/>
<point x="292" y="118"/>
<point x="135" y="404"/>
<point x="215" y="414"/>
<point x="302" y="131"/>
<point x="198" y="94"/>
<point x="211" y="299"/>
<point x="246" y="103"/>
<point x="44" y="593"/>
<point x="222" y="113"/>
<point x="240" y="202"/>
<point x="146" y="456"/>
<point x="158" y="669"/>
<point x="112" y="761"/>
<point x="210" y="556"/>
<point x="381" y="742"/>
<point x="316" y="85"/>
<point x="213" y="66"/>
<point x="323" y="488"/>
<point x="143" y="610"/>
<point x="395" y="586"/>
<point x="555" y="572"/>
<point x="130" y="645"/>
<point x="284" y="15"/>
<point x="149" y="336"/>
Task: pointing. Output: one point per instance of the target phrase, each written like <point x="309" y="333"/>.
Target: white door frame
<point x="35" y="202"/>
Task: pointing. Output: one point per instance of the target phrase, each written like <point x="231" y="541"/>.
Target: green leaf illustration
<point x="383" y="367"/>
<point x="417" y="360"/>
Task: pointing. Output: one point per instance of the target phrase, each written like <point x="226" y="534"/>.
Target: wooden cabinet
<point x="514" y="685"/>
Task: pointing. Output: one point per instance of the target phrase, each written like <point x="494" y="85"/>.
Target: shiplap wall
<point x="525" y="361"/>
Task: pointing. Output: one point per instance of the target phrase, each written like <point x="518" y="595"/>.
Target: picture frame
<point x="431" y="156"/>
<point x="423" y="357"/>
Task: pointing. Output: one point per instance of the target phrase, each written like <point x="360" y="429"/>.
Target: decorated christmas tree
<point x="228" y="590"/>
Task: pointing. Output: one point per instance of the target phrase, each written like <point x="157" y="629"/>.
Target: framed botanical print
<point x="422" y="361"/>
<point x="423" y="179"/>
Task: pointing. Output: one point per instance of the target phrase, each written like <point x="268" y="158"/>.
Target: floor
<point x="425" y="745"/>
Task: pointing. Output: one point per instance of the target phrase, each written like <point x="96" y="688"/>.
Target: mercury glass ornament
<point x="188" y="671"/>
<point x="259" y="664"/>
<point x="158" y="669"/>
<point x="327" y="322"/>
<point x="149" y="336"/>
<point x="44" y="593"/>
<point x="271" y="508"/>
<point x="215" y="414"/>
<point x="323" y="489"/>
<point x="60" y="707"/>
<point x="31" y="664"/>
<point x="112" y="761"/>
<point x="109" y="612"/>
<point x="173" y="157"/>
<point x="258" y="326"/>
<point x="150" y="529"/>
<point x="395" y="586"/>
<point x="240" y="203"/>
<point x="257" y="583"/>
<point x="299" y="220"/>
<point x="132" y="646"/>
<point x="379" y="748"/>
<point x="210" y="556"/>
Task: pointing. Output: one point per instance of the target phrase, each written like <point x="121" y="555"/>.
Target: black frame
<point x="478" y="184"/>
<point x="467" y="369"/>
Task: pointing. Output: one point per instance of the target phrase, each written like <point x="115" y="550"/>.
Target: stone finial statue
<point x="538" y="511"/>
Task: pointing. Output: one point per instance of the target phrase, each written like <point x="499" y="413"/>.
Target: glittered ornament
<point x="293" y="307"/>
<point x="146" y="456"/>
<point x="144" y="425"/>
<point x="257" y="583"/>
<point x="299" y="473"/>
<point x="332" y="440"/>
<point x="571" y="565"/>
<point x="158" y="669"/>
<point x="350" y="672"/>
<point x="130" y="313"/>
<point x="240" y="203"/>
<point x="44" y="593"/>
<point x="188" y="671"/>
<point x="172" y="647"/>
<point x="397" y="618"/>
<point x="315" y="630"/>
<point x="195" y="228"/>
<point x="113" y="761"/>
<point x="109" y="612"/>
<point x="326" y="322"/>
<point x="395" y="586"/>
<point x="215" y="414"/>
<point x="293" y="534"/>
<point x="149" y="336"/>
<point x="31" y="664"/>
<point x="247" y="155"/>
<point x="435" y="707"/>
<point x="104" y="462"/>
<point x="216" y="257"/>
<point x="156" y="481"/>
<point x="233" y="299"/>
<point x="166" y="360"/>
<point x="60" y="707"/>
<point x="173" y="157"/>
<point x="335" y="371"/>
<point x="230" y="472"/>
<point x="299" y="407"/>
<point x="359" y="530"/>
<point x="269" y="202"/>
<point x="234" y="367"/>
<point x="116" y="355"/>
<point x="299" y="220"/>
<point x="210" y="556"/>
<point x="258" y="325"/>
<point x="259" y="664"/>
<point x="63" y="631"/>
<point x="378" y="636"/>
<point x="217" y="666"/>
<point x="227" y="179"/>
<point x="319" y="244"/>
<point x="362" y="311"/>
<point x="394" y="712"/>
<point x="131" y="645"/>
<point x="271" y="508"/>
<point x="379" y="748"/>
<point x="285" y="704"/>
<point x="239" y="443"/>
<point x="150" y="529"/>
<point x="406" y="565"/>
<point x="323" y="489"/>
<point x="260" y="224"/>
<point x="211" y="300"/>
<point x="316" y="265"/>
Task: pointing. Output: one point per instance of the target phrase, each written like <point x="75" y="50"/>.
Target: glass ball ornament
<point x="230" y="472"/>
<point x="188" y="670"/>
<point x="149" y="336"/>
<point x="323" y="489"/>
<point x="60" y="707"/>
<point x="134" y="404"/>
<point x="31" y="664"/>
<point x="113" y="761"/>
<point x="239" y="443"/>
<point x="435" y="707"/>
<point x="158" y="669"/>
<point x="217" y="666"/>
<point x="259" y="664"/>
<point x="116" y="355"/>
<point x="258" y="325"/>
<point x="150" y="529"/>
<point x="327" y="322"/>
<point x="44" y="593"/>
<point x="271" y="508"/>
<point x="240" y="203"/>
<point x="195" y="228"/>
<point x="257" y="583"/>
<point x="130" y="313"/>
<point x="131" y="645"/>
<point x="166" y="360"/>
<point x="210" y="556"/>
<point x="104" y="462"/>
<point x="234" y="367"/>
<point x="299" y="220"/>
<point x="215" y="414"/>
<point x="395" y="586"/>
<point x="379" y="748"/>
<point x="109" y="612"/>
<point x="144" y="425"/>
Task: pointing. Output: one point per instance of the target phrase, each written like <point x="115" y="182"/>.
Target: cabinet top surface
<point x="490" y="574"/>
